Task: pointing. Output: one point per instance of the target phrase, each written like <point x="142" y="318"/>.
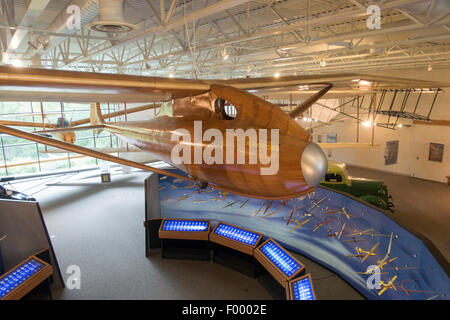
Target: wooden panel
<point x="433" y="122"/>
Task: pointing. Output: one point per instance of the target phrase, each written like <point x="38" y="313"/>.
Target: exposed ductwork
<point x="89" y="9"/>
<point x="111" y="18"/>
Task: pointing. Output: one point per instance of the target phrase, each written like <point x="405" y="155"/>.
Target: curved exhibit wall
<point x="327" y="227"/>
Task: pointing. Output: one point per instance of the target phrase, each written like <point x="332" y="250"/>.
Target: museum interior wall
<point x="414" y="140"/>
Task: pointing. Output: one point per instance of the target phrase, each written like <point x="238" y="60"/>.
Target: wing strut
<point x="309" y="102"/>
<point x="85" y="151"/>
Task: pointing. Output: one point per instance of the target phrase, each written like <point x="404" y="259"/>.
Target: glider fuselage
<point x="285" y="180"/>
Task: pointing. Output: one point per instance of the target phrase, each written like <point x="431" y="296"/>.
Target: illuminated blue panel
<point x="302" y="289"/>
<point x="21" y="274"/>
<point x="280" y="258"/>
<point x="237" y="234"/>
<point x="185" y="225"/>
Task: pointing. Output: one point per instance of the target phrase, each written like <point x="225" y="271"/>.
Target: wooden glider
<point x="301" y="164"/>
<point x="26" y="84"/>
<point x="433" y="122"/>
<point x="103" y="150"/>
<point x="27" y="124"/>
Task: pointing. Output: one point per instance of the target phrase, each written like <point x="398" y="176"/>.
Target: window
<point x="19" y="156"/>
<point x="225" y="109"/>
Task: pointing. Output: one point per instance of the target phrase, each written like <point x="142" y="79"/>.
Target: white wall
<point x="413" y="141"/>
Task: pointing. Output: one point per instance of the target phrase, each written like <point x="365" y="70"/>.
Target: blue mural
<point x="336" y="231"/>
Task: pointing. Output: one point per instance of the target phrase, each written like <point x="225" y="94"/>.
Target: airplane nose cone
<point x="314" y="164"/>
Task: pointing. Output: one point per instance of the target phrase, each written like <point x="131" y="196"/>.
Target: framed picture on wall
<point x="391" y="153"/>
<point x="332" y="138"/>
<point x="436" y="152"/>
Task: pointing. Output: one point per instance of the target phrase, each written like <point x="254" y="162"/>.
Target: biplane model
<point x="383" y="262"/>
<point x="302" y="163"/>
<point x="364" y="254"/>
<point x="389" y="285"/>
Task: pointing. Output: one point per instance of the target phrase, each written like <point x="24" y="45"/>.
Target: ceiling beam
<point x="193" y="16"/>
<point x="34" y="10"/>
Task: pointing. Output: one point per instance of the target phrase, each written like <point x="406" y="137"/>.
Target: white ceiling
<point x="259" y="38"/>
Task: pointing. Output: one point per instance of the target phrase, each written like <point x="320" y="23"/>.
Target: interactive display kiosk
<point x="279" y="267"/>
<point x="185" y="239"/>
<point x="233" y="247"/>
<point x="27" y="276"/>
<point x="25" y="235"/>
<point x="302" y="289"/>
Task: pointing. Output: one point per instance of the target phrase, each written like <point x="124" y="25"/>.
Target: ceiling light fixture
<point x="364" y="83"/>
<point x="17" y="63"/>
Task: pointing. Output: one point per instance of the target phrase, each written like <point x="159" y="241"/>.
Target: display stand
<point x="185" y="239"/>
<point x="23" y="224"/>
<point x="277" y="268"/>
<point x="2" y="269"/>
<point x="235" y="260"/>
<point x="152" y="240"/>
<point x="26" y="280"/>
<point x="185" y="249"/>
<point x="233" y="247"/>
<point x="275" y="289"/>
<point x="302" y="288"/>
<point x="153" y="219"/>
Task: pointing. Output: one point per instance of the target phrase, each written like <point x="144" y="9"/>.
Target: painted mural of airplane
<point x="302" y="164"/>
